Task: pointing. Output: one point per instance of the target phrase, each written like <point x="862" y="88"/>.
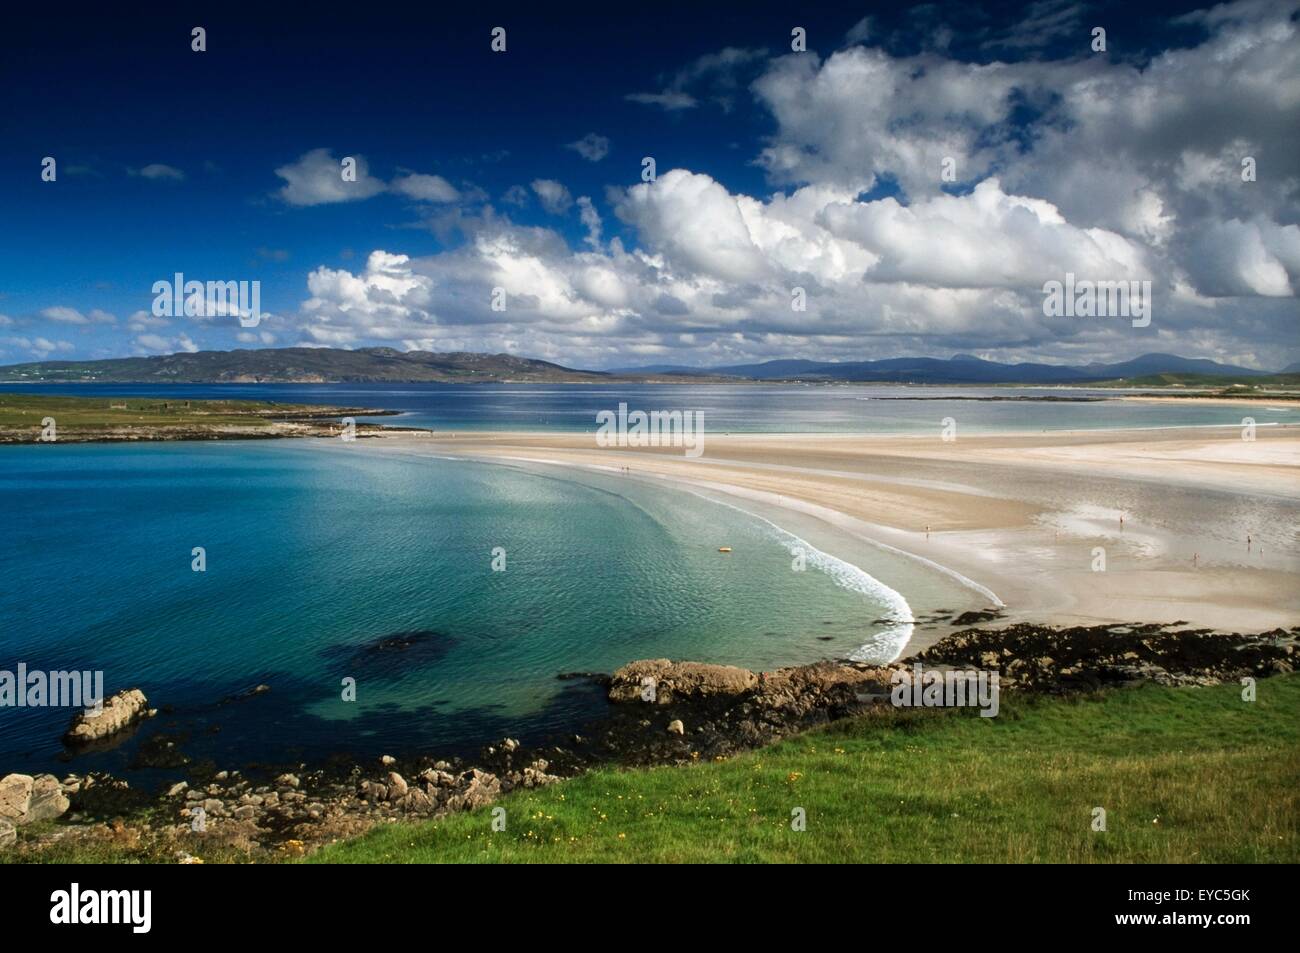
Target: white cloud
<point x="157" y="344"/>
<point x="316" y="178"/>
<point x="668" y="100"/>
<point x="157" y="170"/>
<point x="65" y="315"/>
<point x="426" y="188"/>
<point x="591" y="147"/>
<point x="555" y="198"/>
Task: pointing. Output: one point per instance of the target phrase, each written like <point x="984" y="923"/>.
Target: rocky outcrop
<point x="662" y="682"/>
<point x="25" y="799"/>
<point x="1085" y="658"/>
<point x="119" y="713"/>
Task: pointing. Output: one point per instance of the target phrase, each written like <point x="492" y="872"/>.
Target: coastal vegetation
<point x="1185" y="775"/>
<point x="24" y="418"/>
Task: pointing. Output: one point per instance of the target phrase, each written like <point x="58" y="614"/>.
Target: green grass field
<point x="26" y="411"/>
<point x="89" y="417"/>
<point x="1185" y="775"/>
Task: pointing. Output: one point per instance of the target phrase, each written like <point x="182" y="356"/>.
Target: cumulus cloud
<point x="555" y="198"/>
<point x="316" y="178"/>
<point x="157" y="344"/>
<point x="591" y="147"/>
<point x="65" y="315"/>
<point x="426" y="188"/>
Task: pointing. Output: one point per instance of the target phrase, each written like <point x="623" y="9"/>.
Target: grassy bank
<point x="1185" y="775"/>
<point x="92" y="418"/>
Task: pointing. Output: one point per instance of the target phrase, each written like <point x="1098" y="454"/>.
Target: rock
<point x="417" y="801"/>
<point x="397" y="787"/>
<point x="245" y="812"/>
<point x="387" y="760"/>
<point x="971" y="618"/>
<point x="15" y="795"/>
<point x="48" y="800"/>
<point x="661" y="681"/>
<point x="510" y="744"/>
<point x="119" y="712"/>
<point x="438" y="778"/>
<point x="475" y="789"/>
<point x="675" y="727"/>
<point x="26" y="800"/>
<point x="287" y="780"/>
<point x="177" y="789"/>
<point x="8" y="835"/>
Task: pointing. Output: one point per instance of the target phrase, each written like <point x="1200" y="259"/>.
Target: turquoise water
<point x="726" y="407"/>
<point x="315" y="550"/>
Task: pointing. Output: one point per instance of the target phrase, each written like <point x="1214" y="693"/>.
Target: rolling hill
<point x="303" y="365"/>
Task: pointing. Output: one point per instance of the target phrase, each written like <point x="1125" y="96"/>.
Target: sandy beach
<point x="1193" y="525"/>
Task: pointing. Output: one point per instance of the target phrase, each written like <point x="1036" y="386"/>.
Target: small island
<point x="24" y="418"/>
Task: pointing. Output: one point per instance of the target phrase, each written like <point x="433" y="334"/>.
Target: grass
<point x="25" y="412"/>
<point x="1185" y="775"/>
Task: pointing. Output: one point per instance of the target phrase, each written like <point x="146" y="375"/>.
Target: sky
<point x="913" y="177"/>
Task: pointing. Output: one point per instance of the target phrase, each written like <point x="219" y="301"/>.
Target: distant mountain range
<point x="960" y="369"/>
<point x="383" y="364"/>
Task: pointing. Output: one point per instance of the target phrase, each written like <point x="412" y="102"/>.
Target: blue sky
<point x="777" y="169"/>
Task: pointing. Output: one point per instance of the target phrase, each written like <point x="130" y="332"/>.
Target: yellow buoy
<point x="724" y="549"/>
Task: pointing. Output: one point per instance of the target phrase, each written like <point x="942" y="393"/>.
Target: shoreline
<point x="993" y="503"/>
<point x="697" y="712"/>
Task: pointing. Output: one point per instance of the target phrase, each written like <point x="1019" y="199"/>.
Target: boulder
<point x="475" y="788"/>
<point x="397" y="786"/>
<point x="26" y="800"/>
<point x="675" y="727"/>
<point x="15" y="795"/>
<point x="120" y="712"/>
